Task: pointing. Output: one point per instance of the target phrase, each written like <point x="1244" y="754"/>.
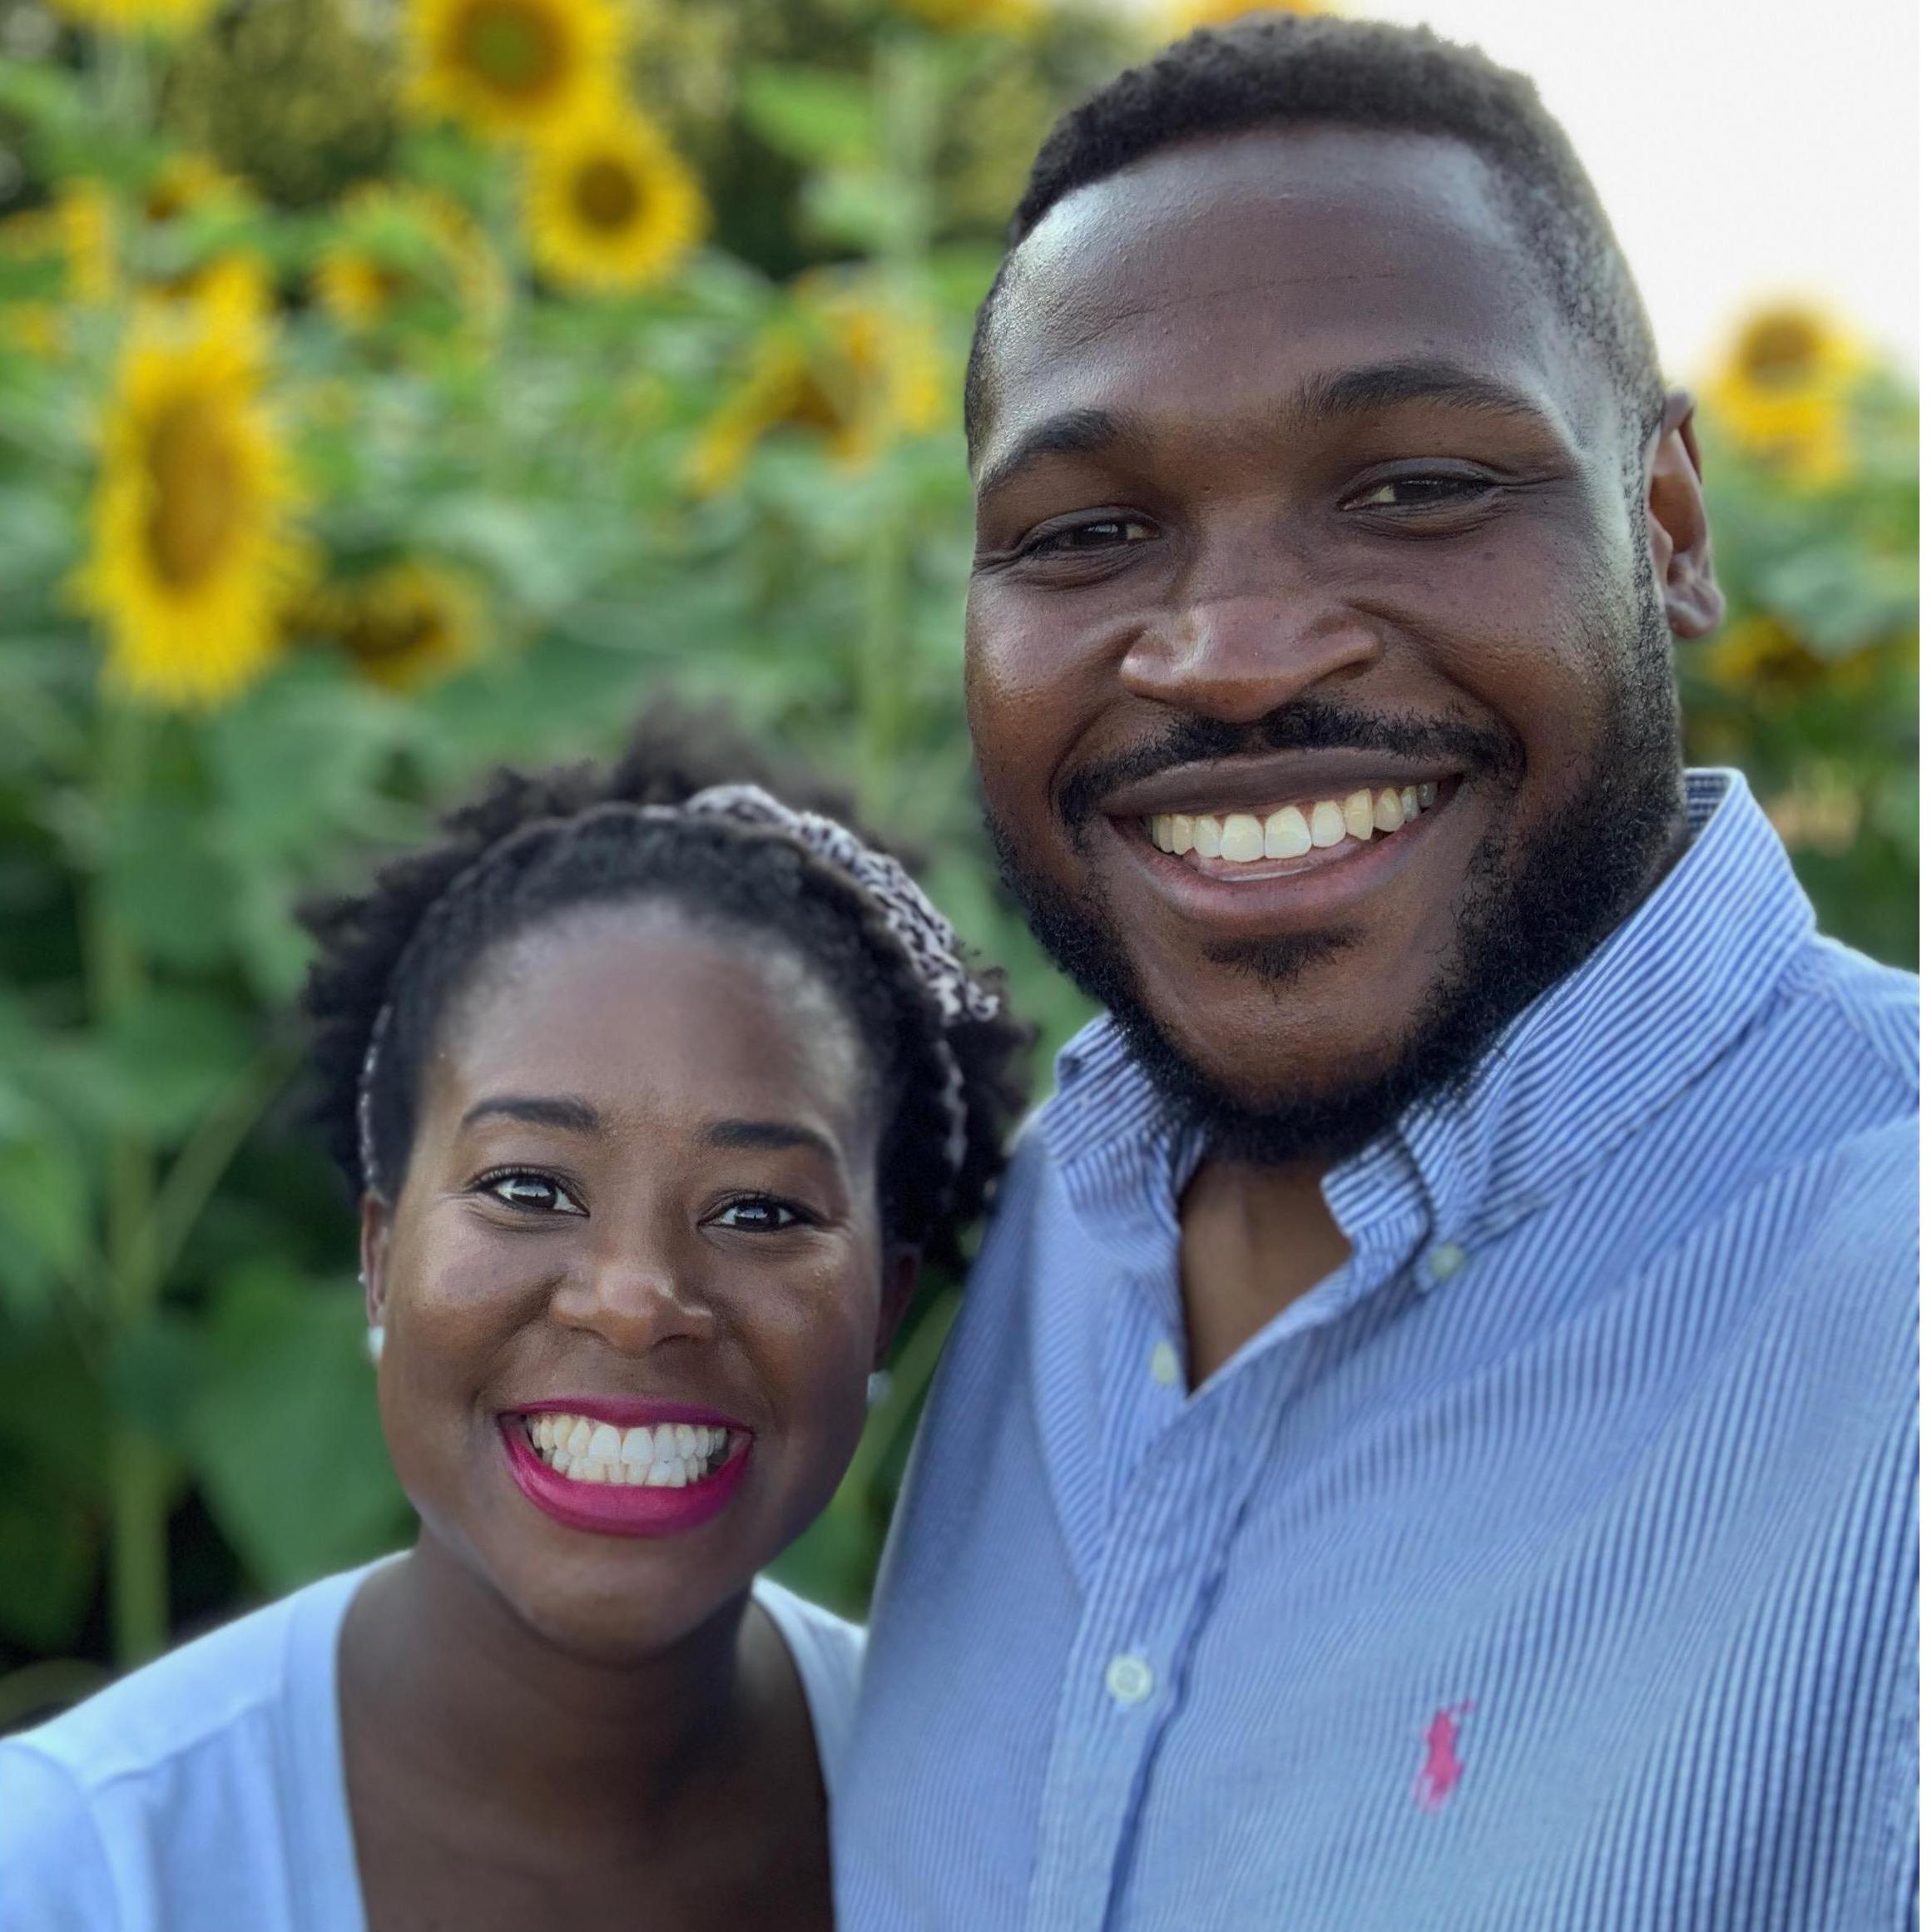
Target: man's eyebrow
<point x="779" y="1135"/>
<point x="1354" y="392"/>
<point x="1384" y="385"/>
<point x="565" y="1110"/>
<point x="1072" y="433"/>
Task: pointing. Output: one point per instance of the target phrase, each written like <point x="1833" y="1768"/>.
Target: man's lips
<point x="1272" y="899"/>
<point x="1235" y="784"/>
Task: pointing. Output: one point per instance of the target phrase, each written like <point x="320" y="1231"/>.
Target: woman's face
<point x="635" y="1279"/>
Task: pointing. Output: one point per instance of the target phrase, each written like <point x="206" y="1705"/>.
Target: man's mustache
<point x="1306" y="725"/>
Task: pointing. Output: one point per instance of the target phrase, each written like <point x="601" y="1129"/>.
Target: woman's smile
<point x="578" y="1465"/>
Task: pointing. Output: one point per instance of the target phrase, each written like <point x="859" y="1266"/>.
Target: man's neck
<point x="1252" y="1240"/>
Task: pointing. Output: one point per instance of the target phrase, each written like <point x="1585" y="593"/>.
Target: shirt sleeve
<point x="54" y="1874"/>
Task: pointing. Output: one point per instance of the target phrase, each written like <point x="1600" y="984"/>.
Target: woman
<point x="655" y="1090"/>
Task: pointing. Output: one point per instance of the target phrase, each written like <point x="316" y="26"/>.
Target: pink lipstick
<point x="626" y="1466"/>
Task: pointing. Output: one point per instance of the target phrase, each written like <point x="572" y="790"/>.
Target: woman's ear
<point x="902" y="1276"/>
<point x="375" y="1253"/>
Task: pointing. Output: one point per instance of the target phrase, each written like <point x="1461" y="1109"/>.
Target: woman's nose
<point x="633" y="1298"/>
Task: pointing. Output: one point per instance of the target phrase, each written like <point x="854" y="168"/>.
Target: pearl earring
<point x="878" y="1387"/>
<point x="374" y="1341"/>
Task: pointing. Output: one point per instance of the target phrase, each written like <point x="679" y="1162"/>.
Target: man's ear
<point x="902" y="1276"/>
<point x="1680" y="534"/>
<point x="374" y="1251"/>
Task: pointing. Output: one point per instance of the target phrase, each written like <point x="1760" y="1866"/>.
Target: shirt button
<point x="1164" y="1364"/>
<point x="1445" y="1260"/>
<point x="1130" y="1680"/>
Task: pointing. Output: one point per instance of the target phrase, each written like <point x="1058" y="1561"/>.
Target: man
<point x="1429" y="1439"/>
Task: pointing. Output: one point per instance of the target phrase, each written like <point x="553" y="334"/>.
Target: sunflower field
<point x="389" y="388"/>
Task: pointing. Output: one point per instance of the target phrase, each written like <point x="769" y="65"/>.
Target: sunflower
<point x="137" y="16"/>
<point x="403" y="627"/>
<point x="194" y="546"/>
<point x="611" y="205"/>
<point x="187" y="184"/>
<point x="511" y="66"/>
<point x="1185" y="15"/>
<point x="844" y="365"/>
<point x="404" y="249"/>
<point x="1783" y="392"/>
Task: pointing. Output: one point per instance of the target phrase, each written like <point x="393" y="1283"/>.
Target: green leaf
<point x="46" y="1214"/>
<point x="169" y="1056"/>
<point x="284" y="1436"/>
<point x="170" y="890"/>
<point x="49" y="1557"/>
<point x="809" y="115"/>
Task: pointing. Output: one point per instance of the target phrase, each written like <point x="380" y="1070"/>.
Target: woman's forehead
<point x="636" y="1006"/>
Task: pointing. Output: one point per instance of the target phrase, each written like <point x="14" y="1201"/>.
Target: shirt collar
<point x="1575" y="1073"/>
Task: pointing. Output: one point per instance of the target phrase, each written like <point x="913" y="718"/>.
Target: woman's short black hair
<point x="1280" y="69"/>
<point x="537" y="845"/>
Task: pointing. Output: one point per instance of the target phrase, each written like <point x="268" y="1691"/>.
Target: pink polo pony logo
<point x="1441" y="1768"/>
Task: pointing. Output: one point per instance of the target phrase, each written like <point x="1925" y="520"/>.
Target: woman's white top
<point x="205" y="1793"/>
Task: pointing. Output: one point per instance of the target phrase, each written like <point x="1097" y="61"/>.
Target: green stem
<point x="905" y="84"/>
<point x="137" y="1579"/>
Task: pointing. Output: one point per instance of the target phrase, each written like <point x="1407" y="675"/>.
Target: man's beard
<point x="1519" y="929"/>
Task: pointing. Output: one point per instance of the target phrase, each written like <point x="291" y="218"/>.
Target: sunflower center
<point x="512" y="48"/>
<point x="606" y="193"/>
<point x="376" y="636"/>
<point x="1782" y="349"/>
<point x="197" y="482"/>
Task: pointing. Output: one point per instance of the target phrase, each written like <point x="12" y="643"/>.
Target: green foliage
<point x="729" y="484"/>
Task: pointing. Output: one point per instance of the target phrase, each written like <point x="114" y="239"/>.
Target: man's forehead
<point x="1306" y="250"/>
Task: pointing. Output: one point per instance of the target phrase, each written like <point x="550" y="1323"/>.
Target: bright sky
<point x="1745" y="149"/>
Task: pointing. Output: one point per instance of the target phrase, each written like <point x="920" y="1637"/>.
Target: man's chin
<point x="1257" y="1107"/>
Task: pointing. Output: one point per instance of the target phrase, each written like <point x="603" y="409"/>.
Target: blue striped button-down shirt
<point x="1549" y="1565"/>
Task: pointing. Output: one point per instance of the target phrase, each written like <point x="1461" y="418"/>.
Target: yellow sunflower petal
<point x="514" y="67"/>
<point x="136" y="16"/>
<point x="399" y="246"/>
<point x="1782" y="392"/>
<point x="846" y="364"/>
<point x="194" y="542"/>
<point x="610" y="204"/>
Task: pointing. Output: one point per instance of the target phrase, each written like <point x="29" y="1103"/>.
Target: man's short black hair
<point x="1276" y="70"/>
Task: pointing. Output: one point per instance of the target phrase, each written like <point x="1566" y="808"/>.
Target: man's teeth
<point x="1243" y="837"/>
<point x="668" y="1457"/>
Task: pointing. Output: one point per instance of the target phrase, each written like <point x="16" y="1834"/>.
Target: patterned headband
<point x="923" y="931"/>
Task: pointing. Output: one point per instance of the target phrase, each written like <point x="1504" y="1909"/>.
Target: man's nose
<point x="637" y="1293"/>
<point x="1244" y="638"/>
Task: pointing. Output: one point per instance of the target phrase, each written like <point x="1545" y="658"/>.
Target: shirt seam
<point x="84" y="1797"/>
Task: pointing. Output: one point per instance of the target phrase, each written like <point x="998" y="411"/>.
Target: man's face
<point x="1292" y="487"/>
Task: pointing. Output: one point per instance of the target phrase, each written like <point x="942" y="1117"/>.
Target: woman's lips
<point x="621" y="1508"/>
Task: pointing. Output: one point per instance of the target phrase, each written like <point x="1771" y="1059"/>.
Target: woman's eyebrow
<point x="779" y="1135"/>
<point x="566" y="1111"/>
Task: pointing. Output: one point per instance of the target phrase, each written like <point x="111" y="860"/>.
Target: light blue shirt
<point x="205" y="1793"/>
<point x="1550" y="1565"/>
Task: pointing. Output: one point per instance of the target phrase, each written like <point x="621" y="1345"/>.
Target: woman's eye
<point x="758" y="1214"/>
<point x="533" y="1193"/>
<point x="1102" y="533"/>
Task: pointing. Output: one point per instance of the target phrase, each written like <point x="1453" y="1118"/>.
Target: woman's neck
<point x="447" y="1687"/>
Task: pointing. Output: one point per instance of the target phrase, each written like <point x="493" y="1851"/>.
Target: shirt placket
<point x="1162" y="1558"/>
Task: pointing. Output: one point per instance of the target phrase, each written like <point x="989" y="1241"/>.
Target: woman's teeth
<point x="1241" y="837"/>
<point x="668" y="1457"/>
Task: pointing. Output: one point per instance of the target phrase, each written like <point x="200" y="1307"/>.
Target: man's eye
<point x="531" y="1193"/>
<point x="1417" y="493"/>
<point x="1102" y="533"/>
<point x="758" y="1214"/>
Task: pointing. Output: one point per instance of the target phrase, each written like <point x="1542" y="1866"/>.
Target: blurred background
<point x="392" y="387"/>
